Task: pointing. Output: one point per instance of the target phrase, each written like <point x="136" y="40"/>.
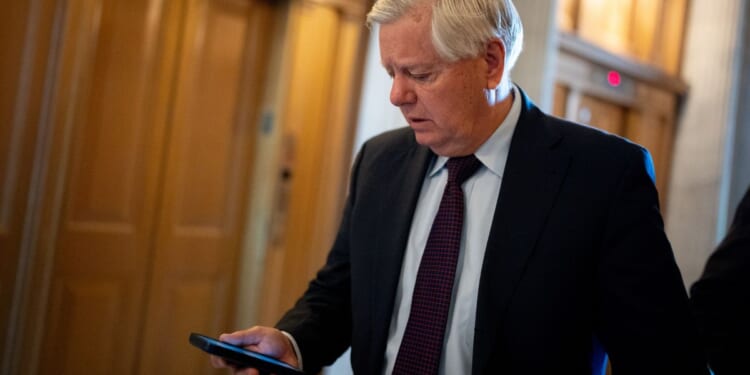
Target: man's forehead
<point x="406" y="43"/>
<point x="402" y="57"/>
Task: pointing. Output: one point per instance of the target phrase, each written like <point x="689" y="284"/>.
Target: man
<point x="721" y="298"/>
<point x="559" y="252"/>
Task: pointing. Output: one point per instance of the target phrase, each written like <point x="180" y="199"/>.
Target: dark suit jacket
<point x="576" y="255"/>
<point x="721" y="298"/>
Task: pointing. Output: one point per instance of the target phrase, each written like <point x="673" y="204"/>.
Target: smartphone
<point x="241" y="357"/>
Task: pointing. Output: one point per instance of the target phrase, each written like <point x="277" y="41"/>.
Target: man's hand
<point x="265" y="340"/>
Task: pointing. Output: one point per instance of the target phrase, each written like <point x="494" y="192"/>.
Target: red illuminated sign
<point x="613" y="78"/>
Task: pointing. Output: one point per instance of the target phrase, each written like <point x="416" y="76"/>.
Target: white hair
<point x="462" y="28"/>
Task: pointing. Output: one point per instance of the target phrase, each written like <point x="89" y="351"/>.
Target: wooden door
<point x="326" y="42"/>
<point x="151" y="111"/>
<point x="653" y="127"/>
<point x="601" y="114"/>
<point x="24" y="44"/>
<point x="208" y="166"/>
<point x="107" y="151"/>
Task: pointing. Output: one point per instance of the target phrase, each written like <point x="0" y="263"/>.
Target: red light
<point x="613" y="78"/>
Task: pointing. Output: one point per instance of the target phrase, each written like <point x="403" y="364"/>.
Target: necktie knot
<point x="461" y="168"/>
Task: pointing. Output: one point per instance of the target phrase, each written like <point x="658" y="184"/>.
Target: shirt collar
<point x="493" y="153"/>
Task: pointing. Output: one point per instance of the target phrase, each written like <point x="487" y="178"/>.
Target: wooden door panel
<point x="206" y="180"/>
<point x="111" y="142"/>
<point x="654" y="133"/>
<point x="560" y="101"/>
<point x="25" y="39"/>
<point x="306" y="112"/>
<point x="602" y="114"/>
<point x="316" y="115"/>
<point x="647" y="131"/>
<point x="607" y="23"/>
<point x="15" y="162"/>
<point x="89" y="346"/>
<point x="191" y="305"/>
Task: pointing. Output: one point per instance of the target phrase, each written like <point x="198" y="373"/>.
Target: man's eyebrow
<point x="408" y="67"/>
<point x="419" y="66"/>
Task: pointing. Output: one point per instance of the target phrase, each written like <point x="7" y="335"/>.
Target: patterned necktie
<point x="422" y="344"/>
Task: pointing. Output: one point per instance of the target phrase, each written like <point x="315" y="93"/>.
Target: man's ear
<point x="494" y="56"/>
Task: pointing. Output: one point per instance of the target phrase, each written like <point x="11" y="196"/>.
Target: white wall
<point x="701" y="174"/>
<point x="376" y="113"/>
<point x="535" y="70"/>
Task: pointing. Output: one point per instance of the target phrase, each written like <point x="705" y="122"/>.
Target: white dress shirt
<point x="481" y="193"/>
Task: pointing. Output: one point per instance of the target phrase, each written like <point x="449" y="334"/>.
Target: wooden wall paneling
<point x="281" y="163"/>
<point x="601" y="114"/>
<point x="25" y="35"/>
<point x="567" y="15"/>
<point x="671" y="37"/>
<point x="606" y="23"/>
<point x="206" y="182"/>
<point x="646" y="29"/>
<point x="579" y="56"/>
<point x="666" y="156"/>
<point x="326" y="43"/>
<point x="649" y="131"/>
<point x="266" y="41"/>
<point x="97" y="215"/>
<point x="560" y="101"/>
<point x="589" y="99"/>
<point x="350" y="8"/>
<point x="651" y="125"/>
<point x="340" y="127"/>
<point x="569" y="74"/>
<point x="585" y="77"/>
<point x="649" y="31"/>
<point x="110" y="69"/>
<point x="315" y="44"/>
<point x="642" y="41"/>
<point x="15" y="147"/>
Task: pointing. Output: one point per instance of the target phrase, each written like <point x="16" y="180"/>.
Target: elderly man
<point x="487" y="237"/>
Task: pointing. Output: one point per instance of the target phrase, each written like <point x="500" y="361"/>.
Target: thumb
<point x="242" y="338"/>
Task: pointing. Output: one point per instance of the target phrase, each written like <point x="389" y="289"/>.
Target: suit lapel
<point x="533" y="174"/>
<point x="405" y="177"/>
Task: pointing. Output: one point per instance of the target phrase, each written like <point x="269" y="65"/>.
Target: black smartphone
<point x="241" y="357"/>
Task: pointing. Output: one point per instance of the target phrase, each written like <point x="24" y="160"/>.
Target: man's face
<point x="444" y="102"/>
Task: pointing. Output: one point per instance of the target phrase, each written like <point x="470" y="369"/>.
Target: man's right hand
<point x="265" y="340"/>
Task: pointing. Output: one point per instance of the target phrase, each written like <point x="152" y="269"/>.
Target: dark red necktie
<point x="422" y="344"/>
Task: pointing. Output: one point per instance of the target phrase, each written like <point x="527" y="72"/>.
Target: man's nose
<point x="401" y="91"/>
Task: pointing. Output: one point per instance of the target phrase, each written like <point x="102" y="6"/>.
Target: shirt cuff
<point x="296" y="348"/>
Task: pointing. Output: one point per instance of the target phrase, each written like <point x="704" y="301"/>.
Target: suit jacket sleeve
<point x="643" y="315"/>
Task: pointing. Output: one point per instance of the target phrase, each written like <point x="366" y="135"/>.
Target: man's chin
<point x="424" y="138"/>
<point x="430" y="142"/>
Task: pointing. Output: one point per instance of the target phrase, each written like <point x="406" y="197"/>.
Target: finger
<point x="217" y="362"/>
<point x="247" y="371"/>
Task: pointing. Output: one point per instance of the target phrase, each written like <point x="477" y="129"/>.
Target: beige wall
<point x="702" y="169"/>
<point x="535" y="69"/>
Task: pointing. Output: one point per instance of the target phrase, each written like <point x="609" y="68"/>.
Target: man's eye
<point x="420" y="76"/>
